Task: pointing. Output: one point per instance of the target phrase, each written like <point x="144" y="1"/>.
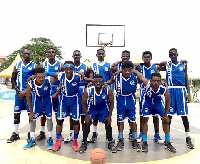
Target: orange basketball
<point x="98" y="156"/>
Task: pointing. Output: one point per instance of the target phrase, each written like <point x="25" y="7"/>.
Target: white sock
<point x="43" y="128"/>
<point x="72" y="131"/>
<point x="50" y="134"/>
<point x="95" y="128"/>
<point x="187" y="134"/>
<point x="32" y="135"/>
<point x="16" y="126"/>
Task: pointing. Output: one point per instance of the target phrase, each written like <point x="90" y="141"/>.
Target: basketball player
<point x="39" y="101"/>
<point x="100" y="102"/>
<point x="21" y="72"/>
<point x="152" y="104"/>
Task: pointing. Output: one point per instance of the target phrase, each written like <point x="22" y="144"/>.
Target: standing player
<point x="21" y="72"/>
<point x="39" y="101"/>
<point x="125" y="85"/>
<point x="50" y="66"/>
<point x="152" y="104"/>
<point x="176" y="76"/>
<point x="100" y="102"/>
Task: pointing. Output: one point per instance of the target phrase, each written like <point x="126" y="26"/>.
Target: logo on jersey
<point x="103" y="96"/>
<point x="82" y="70"/>
<point x="74" y="84"/>
<point x="45" y="88"/>
<point x="181" y="68"/>
<point x="132" y="82"/>
<point x="171" y="109"/>
<point x="17" y="108"/>
<point x="146" y="110"/>
<point x="106" y="68"/>
<point x="56" y="68"/>
<point x="152" y="71"/>
<point x="29" y="68"/>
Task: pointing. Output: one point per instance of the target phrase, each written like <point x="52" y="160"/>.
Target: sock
<point x="121" y="135"/>
<point x="43" y="128"/>
<point x="75" y="136"/>
<point x="50" y="134"/>
<point x="72" y="132"/>
<point x="95" y="128"/>
<point x="134" y="135"/>
<point x="167" y="137"/>
<point x="16" y="128"/>
<point x="156" y="132"/>
<point x="58" y="136"/>
<point x="144" y="138"/>
<point x="32" y="135"/>
<point x="187" y="134"/>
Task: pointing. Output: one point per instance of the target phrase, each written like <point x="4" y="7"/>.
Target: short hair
<point x="126" y="51"/>
<point x="98" y="76"/>
<point x="147" y="52"/>
<point x="26" y="49"/>
<point x="127" y="64"/>
<point x="39" y="70"/>
<point x="100" y="49"/>
<point x="173" y="49"/>
<point x="76" y="51"/>
<point x="69" y="62"/>
<point x="156" y="74"/>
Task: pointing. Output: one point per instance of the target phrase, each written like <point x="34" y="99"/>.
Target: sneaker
<point x="144" y="147"/>
<point x="112" y="147"/>
<point x="120" y="144"/>
<point x="41" y="136"/>
<point x="14" y="137"/>
<point x="30" y="144"/>
<point x="135" y="145"/>
<point x="139" y="139"/>
<point x="157" y="139"/>
<point x="61" y="138"/>
<point x="94" y="137"/>
<point x="130" y="136"/>
<point x="69" y="138"/>
<point x="169" y="146"/>
<point x="57" y="145"/>
<point x="83" y="148"/>
<point x="75" y="145"/>
<point x="189" y="143"/>
<point x="50" y="143"/>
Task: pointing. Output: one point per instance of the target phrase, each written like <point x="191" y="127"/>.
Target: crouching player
<point x="153" y="103"/>
<point x="39" y="101"/>
<point x="100" y="105"/>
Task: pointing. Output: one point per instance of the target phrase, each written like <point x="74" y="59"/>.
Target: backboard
<point x="98" y="35"/>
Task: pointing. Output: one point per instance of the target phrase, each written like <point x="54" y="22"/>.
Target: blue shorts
<point x="80" y="94"/>
<point x="178" y="103"/>
<point x="20" y="105"/>
<point x="157" y="108"/>
<point x="126" y="108"/>
<point x="101" y="114"/>
<point x="56" y="102"/>
<point x="42" y="105"/>
<point x="69" y="105"/>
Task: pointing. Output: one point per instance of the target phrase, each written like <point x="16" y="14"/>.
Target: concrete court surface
<point x="14" y="153"/>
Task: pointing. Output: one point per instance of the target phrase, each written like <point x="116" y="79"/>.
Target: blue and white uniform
<point x="69" y="101"/>
<point x="125" y="89"/>
<point x="41" y="99"/>
<point x="56" y="67"/>
<point x="146" y="72"/>
<point x="175" y="76"/>
<point x="23" y="73"/>
<point x="98" y="105"/>
<point x="152" y="102"/>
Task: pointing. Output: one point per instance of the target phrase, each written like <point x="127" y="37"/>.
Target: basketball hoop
<point x="105" y="44"/>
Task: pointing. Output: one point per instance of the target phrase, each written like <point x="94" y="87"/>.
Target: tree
<point x="38" y="47"/>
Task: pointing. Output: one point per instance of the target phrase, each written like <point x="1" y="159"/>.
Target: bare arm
<point x="112" y="80"/>
<point x="161" y="66"/>
<point x="187" y="84"/>
<point x="28" y="98"/>
<point x="167" y="103"/>
<point x="84" y="102"/>
<point x="140" y="77"/>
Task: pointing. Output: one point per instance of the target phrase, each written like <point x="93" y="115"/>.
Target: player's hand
<point x="109" y="120"/>
<point x="113" y="68"/>
<point x="89" y="84"/>
<point x="117" y="73"/>
<point x="165" y="119"/>
<point x="184" y="61"/>
<point x="81" y="74"/>
<point x="188" y="99"/>
<point x="54" y="97"/>
<point x="105" y="85"/>
<point x="88" y="119"/>
<point x="137" y="66"/>
<point x="22" y="95"/>
<point x="31" y="78"/>
<point x="31" y="115"/>
<point x="163" y="83"/>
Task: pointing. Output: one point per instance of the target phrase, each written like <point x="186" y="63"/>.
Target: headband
<point x="69" y="66"/>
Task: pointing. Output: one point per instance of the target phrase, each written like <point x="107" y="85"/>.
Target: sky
<point x="152" y="25"/>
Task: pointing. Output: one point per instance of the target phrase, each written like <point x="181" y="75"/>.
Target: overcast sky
<point x="154" y="25"/>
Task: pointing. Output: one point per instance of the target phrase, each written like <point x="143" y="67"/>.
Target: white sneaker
<point x="69" y="138"/>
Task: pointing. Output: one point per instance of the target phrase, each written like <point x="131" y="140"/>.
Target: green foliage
<point x="196" y="83"/>
<point x="38" y="47"/>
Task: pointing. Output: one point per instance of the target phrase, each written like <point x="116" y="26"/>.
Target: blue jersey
<point x="175" y="74"/>
<point x="69" y="88"/>
<point x="82" y="68"/>
<point x="23" y="73"/>
<point x="56" y="67"/>
<point x="102" y="69"/>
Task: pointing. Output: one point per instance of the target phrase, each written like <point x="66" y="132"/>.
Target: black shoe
<point x="83" y="148"/>
<point x="135" y="145"/>
<point x="189" y="143"/>
<point x="28" y="137"/>
<point x="169" y="146"/>
<point x="94" y="137"/>
<point x="120" y="144"/>
<point x="113" y="140"/>
<point x="41" y="136"/>
<point x="112" y="147"/>
<point x="14" y="137"/>
<point x="144" y="147"/>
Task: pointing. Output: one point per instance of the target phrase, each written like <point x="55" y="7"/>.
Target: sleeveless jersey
<point x="23" y="73"/>
<point x="82" y="68"/>
<point x="175" y="74"/>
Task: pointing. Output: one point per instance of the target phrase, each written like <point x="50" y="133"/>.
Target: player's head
<point x="39" y="73"/>
<point x="69" y="68"/>
<point x="127" y="67"/>
<point x="51" y="53"/>
<point x="76" y="55"/>
<point x="26" y="54"/>
<point x="100" y="54"/>
<point x="155" y="80"/>
<point x="173" y="54"/>
<point x="98" y="81"/>
<point x="147" y="56"/>
<point x="125" y="55"/>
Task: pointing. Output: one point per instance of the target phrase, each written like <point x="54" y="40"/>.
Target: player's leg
<point x="59" y="125"/>
<point x="157" y="137"/>
<point x="94" y="134"/>
<point x="70" y="137"/>
<point x="42" y="136"/>
<point x="144" y="147"/>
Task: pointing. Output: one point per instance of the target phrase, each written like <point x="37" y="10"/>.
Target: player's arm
<point x="112" y="80"/>
<point x="55" y="95"/>
<point x="13" y="80"/>
<point x="161" y="66"/>
<point x="187" y="84"/>
<point x="53" y="74"/>
<point x="140" y="77"/>
<point x="28" y="98"/>
<point x="89" y="72"/>
<point x="62" y="67"/>
<point x="91" y="75"/>
<point x="111" y="101"/>
<point x="165" y="118"/>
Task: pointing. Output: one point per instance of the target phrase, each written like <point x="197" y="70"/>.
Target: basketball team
<point x="86" y="95"/>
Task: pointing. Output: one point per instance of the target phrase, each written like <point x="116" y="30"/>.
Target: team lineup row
<point x="64" y="87"/>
